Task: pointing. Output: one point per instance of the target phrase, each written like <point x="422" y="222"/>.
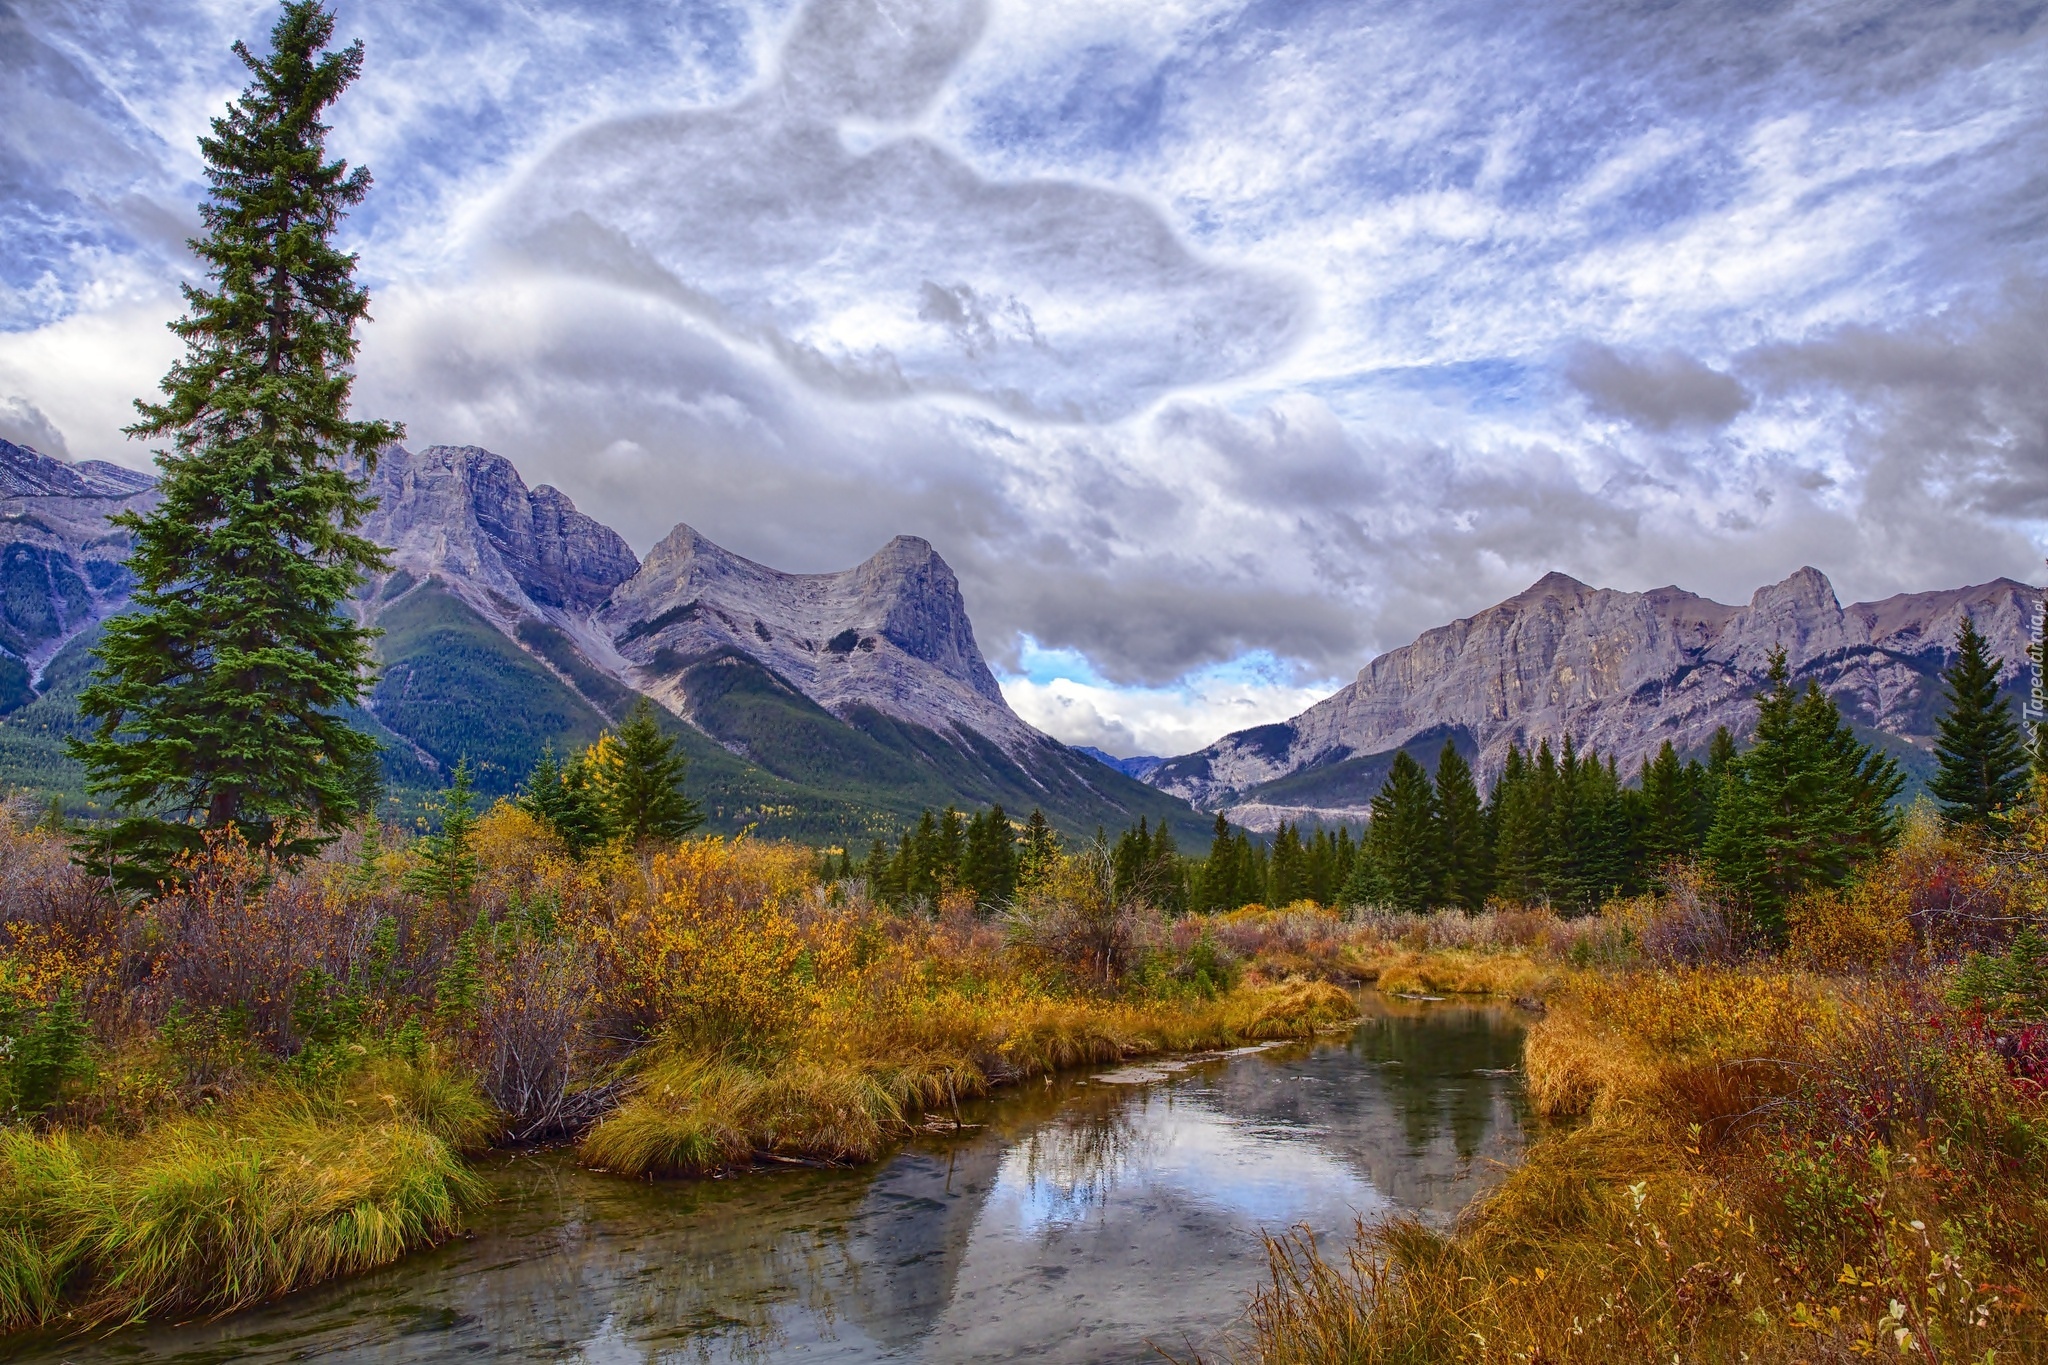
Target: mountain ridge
<point x="823" y="706"/>
<point x="1619" y="671"/>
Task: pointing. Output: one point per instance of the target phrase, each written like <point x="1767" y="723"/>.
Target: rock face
<point x="61" y="565"/>
<point x="1619" y="671"/>
<point x="464" y="513"/>
<point x="26" y="472"/>
<point x="891" y="633"/>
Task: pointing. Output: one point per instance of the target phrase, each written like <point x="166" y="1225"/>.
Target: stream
<point x="1088" y="1217"/>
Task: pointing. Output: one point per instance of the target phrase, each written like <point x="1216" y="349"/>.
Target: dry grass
<point x="1462" y="971"/>
<point x="1771" y="1167"/>
<point x="845" y="1092"/>
<point x="210" y="1213"/>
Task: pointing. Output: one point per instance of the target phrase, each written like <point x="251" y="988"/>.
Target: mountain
<point x="1619" y="671"/>
<point x="1139" y="767"/>
<point x="822" y="705"/>
<point x="61" y="565"/>
<point x="829" y="707"/>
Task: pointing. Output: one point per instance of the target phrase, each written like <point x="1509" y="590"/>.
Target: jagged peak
<point x="27" y="472"/>
<point x="1804" y="587"/>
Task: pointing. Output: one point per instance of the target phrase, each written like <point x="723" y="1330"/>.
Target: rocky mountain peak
<point x="464" y="513"/>
<point x="890" y="633"/>
<point x="26" y="472"/>
<point x="1620" y="671"/>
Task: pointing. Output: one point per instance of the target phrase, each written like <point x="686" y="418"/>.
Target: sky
<point x="1219" y="347"/>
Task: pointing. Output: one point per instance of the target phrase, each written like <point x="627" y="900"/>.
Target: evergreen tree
<point x="925" y="875"/>
<point x="561" y="795"/>
<point x="2037" y="696"/>
<point x="1401" y="842"/>
<point x="1464" y="861"/>
<point x="1515" y="829"/>
<point x="875" y="869"/>
<point x="989" y="866"/>
<point x="1287" y="875"/>
<point x="1568" y="835"/>
<point x="1251" y="869"/>
<point x="1040" y="856"/>
<point x="1983" y="764"/>
<point x="1804" y="805"/>
<point x="1219" y="870"/>
<point x="638" y="776"/>
<point x="220" y="695"/>
<point x="950" y="848"/>
<point x="448" y="867"/>
<point x="1668" y="811"/>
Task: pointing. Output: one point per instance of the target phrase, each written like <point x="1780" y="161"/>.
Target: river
<point x="1085" y="1218"/>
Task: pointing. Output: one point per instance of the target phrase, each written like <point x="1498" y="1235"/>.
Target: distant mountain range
<point x="830" y="707"/>
<point x="1621" y="672"/>
<point x="1140" y="768"/>
<point x="833" y="707"/>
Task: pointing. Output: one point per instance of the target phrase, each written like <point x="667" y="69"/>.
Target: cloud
<point x="1186" y="329"/>
<point x="1657" y="391"/>
<point x="896" y="269"/>
<point x="23" y="423"/>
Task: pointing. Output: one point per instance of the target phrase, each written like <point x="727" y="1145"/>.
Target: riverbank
<point x="265" y="1080"/>
<point x="1832" y="1151"/>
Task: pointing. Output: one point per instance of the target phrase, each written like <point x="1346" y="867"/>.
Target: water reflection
<point x="1079" y="1221"/>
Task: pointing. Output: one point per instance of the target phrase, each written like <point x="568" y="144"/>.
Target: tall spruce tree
<point x="1039" y="858"/>
<point x="1218" y="881"/>
<point x="219" y="698"/>
<point x="1401" y="842"/>
<point x="2037" y="696"/>
<point x="1804" y="805"/>
<point x="1287" y="876"/>
<point x="1515" y="821"/>
<point x="638" y="775"/>
<point x="1983" y="763"/>
<point x="1464" y="861"/>
<point x="989" y="866"/>
<point x="1670" y="828"/>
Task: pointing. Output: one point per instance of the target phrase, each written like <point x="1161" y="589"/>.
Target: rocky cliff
<point x="1620" y="671"/>
<point x="891" y="633"/>
<point x="511" y="617"/>
<point x="464" y="513"/>
<point x="61" y="565"/>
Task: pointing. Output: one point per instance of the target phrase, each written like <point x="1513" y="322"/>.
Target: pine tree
<point x="1983" y="764"/>
<point x="638" y="776"/>
<point x="561" y="795"/>
<point x="1514" y="830"/>
<point x="1219" y="870"/>
<point x="448" y="867"/>
<point x="219" y="697"/>
<point x="1804" y="805"/>
<point x="1040" y="856"/>
<point x="1401" y="842"/>
<point x="1287" y="875"/>
<point x="989" y="866"/>
<point x="1668" y="810"/>
<point x="1251" y="868"/>
<point x="1464" y="861"/>
<point x="2037" y="695"/>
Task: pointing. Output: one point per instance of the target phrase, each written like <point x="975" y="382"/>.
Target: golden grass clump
<point x="210" y="1213"/>
<point x="1615" y="1040"/>
<point x="1511" y="974"/>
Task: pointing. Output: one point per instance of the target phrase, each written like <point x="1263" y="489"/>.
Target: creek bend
<point x="1077" y="1219"/>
